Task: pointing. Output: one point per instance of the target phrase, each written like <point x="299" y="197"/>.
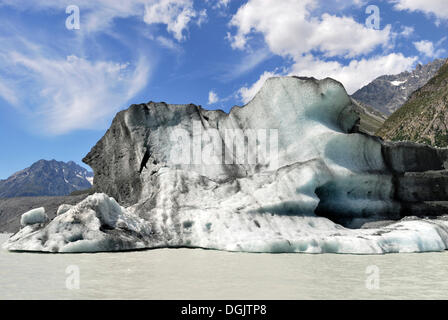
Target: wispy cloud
<point x="75" y="93"/>
<point x="437" y="8"/>
<point x="99" y="15"/>
<point x="250" y="60"/>
<point x="8" y="93"/>
<point x="66" y="81"/>
<point x="58" y="91"/>
<point x="168" y="44"/>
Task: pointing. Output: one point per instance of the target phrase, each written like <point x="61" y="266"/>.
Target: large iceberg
<point x="288" y="172"/>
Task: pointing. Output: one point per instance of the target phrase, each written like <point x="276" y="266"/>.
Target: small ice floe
<point x="33" y="217"/>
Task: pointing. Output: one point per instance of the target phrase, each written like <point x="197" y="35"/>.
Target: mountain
<point x="388" y="93"/>
<point x="370" y="119"/>
<point x="424" y="118"/>
<point x="284" y="173"/>
<point x="46" y="178"/>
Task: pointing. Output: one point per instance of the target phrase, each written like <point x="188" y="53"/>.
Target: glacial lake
<point x="208" y="274"/>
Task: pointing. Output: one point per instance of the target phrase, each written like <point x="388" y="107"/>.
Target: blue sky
<point x="60" y="88"/>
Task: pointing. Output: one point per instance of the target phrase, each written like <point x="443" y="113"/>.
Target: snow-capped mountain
<point x="46" y="178"/>
<point x="424" y="117"/>
<point x="388" y="93"/>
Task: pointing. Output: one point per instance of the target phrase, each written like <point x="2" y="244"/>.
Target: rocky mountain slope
<point x="424" y="118"/>
<point x="46" y="178"/>
<point x="388" y="93"/>
<point x="288" y="172"/>
<point x="370" y="119"/>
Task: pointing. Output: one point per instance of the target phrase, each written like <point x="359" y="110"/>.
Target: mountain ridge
<point x="388" y="93"/>
<point x="424" y="117"/>
<point x="46" y="178"/>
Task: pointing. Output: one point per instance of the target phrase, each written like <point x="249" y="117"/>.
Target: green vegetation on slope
<point x="424" y="118"/>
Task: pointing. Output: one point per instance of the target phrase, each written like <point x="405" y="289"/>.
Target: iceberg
<point x="288" y="172"/>
<point x="35" y="216"/>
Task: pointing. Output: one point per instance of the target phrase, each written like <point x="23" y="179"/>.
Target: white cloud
<point x="439" y="8"/>
<point x="75" y="93"/>
<point x="176" y="14"/>
<point x="428" y="49"/>
<point x="425" y="47"/>
<point x="99" y="15"/>
<point x="289" y="28"/>
<point x="212" y="97"/>
<point x="309" y="37"/>
<point x="353" y="76"/>
<point x="357" y="73"/>
<point x="407" y="31"/>
<point x="337" y="36"/>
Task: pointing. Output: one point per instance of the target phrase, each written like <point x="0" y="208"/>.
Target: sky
<point x="67" y="67"/>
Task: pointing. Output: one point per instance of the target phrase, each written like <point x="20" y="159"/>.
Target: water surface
<point x="208" y="274"/>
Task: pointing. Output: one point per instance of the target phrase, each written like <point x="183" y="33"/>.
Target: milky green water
<point x="207" y="274"/>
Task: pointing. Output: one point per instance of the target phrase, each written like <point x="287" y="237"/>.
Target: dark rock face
<point x="420" y="178"/>
<point x="119" y="175"/>
<point x="418" y="187"/>
<point x="132" y="144"/>
<point x="402" y="157"/>
<point x="388" y="93"/>
<point x="46" y="178"/>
